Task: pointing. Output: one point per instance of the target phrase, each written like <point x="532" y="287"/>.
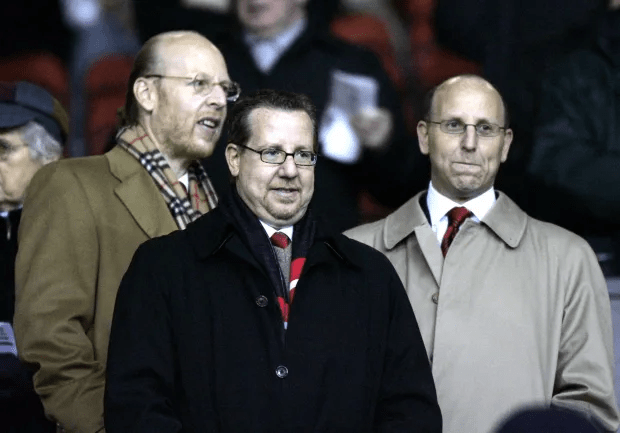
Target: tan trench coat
<point x="522" y="314"/>
<point x="82" y="221"/>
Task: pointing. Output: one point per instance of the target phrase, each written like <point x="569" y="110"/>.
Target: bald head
<point x="467" y="81"/>
<point x="171" y="47"/>
<point x="159" y="52"/>
<point x="465" y="137"/>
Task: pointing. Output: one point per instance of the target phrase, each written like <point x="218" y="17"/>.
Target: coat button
<point x="281" y="371"/>
<point x="435" y="297"/>
<point x="262" y="301"/>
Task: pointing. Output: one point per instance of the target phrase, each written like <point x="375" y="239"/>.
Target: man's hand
<point x="373" y="127"/>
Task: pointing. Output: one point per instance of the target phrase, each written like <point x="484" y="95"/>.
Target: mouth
<point x="286" y="193"/>
<point x="210" y="122"/>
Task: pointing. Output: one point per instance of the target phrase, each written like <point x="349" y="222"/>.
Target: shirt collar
<point x="439" y="205"/>
<point x="288" y="231"/>
<point x="281" y="41"/>
<point x="184" y="179"/>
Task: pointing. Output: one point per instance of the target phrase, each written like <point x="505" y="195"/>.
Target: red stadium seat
<point x="42" y="68"/>
<point x="433" y="64"/>
<point x="106" y="85"/>
<point x="370" y="32"/>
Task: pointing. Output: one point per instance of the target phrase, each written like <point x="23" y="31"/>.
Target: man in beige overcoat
<point x="84" y="218"/>
<point x="513" y="311"/>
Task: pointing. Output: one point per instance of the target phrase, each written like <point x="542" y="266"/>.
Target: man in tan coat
<point x="513" y="311"/>
<point x="84" y="218"/>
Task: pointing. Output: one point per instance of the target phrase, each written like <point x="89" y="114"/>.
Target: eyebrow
<point x="479" y="121"/>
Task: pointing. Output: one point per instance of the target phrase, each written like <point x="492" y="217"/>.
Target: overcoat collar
<point x="138" y="193"/>
<point x="214" y="230"/>
<point x="505" y="219"/>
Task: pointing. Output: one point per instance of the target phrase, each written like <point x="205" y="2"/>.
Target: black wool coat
<point x="197" y="342"/>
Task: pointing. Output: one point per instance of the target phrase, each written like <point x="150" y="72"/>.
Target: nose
<point x="288" y="168"/>
<point x="470" y="138"/>
<point x="217" y="96"/>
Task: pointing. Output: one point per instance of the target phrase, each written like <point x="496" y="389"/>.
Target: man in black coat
<point x="206" y="336"/>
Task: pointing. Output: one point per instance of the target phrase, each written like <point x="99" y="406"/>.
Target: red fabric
<point x="456" y="217"/>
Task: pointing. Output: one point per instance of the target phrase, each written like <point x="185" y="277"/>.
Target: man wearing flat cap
<point x="33" y="130"/>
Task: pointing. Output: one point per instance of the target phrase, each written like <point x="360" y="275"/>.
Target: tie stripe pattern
<point x="456" y="217"/>
<point x="281" y="240"/>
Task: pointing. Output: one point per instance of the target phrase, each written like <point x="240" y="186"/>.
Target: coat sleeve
<point x="407" y="397"/>
<point x="140" y="367"/>
<point x="56" y="274"/>
<point x="585" y="371"/>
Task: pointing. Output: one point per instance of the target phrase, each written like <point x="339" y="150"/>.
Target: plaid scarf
<point x="254" y="237"/>
<point x="184" y="207"/>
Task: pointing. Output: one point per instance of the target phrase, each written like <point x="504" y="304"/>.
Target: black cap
<point x="21" y="102"/>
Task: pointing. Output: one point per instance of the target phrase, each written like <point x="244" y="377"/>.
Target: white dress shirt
<point x="439" y="205"/>
<point x="267" y="51"/>
<point x="288" y="231"/>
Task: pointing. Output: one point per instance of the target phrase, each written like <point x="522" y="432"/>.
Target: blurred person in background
<point x="576" y="151"/>
<point x="83" y="219"/>
<point x="33" y="132"/>
<point x="363" y="143"/>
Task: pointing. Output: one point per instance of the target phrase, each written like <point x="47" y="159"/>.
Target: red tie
<point x="456" y="216"/>
<point x="280" y="240"/>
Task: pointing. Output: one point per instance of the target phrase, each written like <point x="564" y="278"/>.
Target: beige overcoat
<point x="518" y="313"/>
<point x="82" y="221"/>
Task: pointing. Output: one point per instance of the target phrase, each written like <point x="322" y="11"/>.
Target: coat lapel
<point x="138" y="193"/>
<point x="408" y="219"/>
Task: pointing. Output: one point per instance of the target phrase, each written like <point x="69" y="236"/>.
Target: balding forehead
<point x="171" y="40"/>
<point x="455" y="84"/>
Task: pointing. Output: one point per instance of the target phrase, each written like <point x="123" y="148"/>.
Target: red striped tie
<point x="456" y="217"/>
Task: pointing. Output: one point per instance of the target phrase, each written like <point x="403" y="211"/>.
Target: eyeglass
<point x="203" y="86"/>
<point x="275" y="156"/>
<point x="456" y="127"/>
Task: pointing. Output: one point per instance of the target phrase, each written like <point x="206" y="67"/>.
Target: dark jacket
<point x="20" y="408"/>
<point x="576" y="153"/>
<point x="197" y="342"/>
<point x="391" y="176"/>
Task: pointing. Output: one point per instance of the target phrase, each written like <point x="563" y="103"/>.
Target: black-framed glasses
<point x="276" y="156"/>
<point x="204" y="86"/>
<point x="456" y="127"/>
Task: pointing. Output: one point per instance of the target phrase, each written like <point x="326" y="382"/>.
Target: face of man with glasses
<point x="191" y="91"/>
<point x="465" y="137"/>
<point x="274" y="170"/>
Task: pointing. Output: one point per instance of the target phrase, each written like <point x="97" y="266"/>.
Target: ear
<point x="233" y="157"/>
<point x="146" y="94"/>
<point x="423" y="136"/>
<point x="507" y="141"/>
<point x="50" y="158"/>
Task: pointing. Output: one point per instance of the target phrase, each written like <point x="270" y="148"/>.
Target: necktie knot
<point x="456" y="217"/>
<point x="280" y="240"/>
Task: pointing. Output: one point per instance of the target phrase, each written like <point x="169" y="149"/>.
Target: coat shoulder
<point x="368" y="234"/>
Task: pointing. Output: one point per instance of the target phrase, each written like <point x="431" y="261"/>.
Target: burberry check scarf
<point x="255" y="238"/>
<point x="185" y="206"/>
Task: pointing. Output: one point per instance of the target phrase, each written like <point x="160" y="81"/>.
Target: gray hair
<point x="43" y="147"/>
